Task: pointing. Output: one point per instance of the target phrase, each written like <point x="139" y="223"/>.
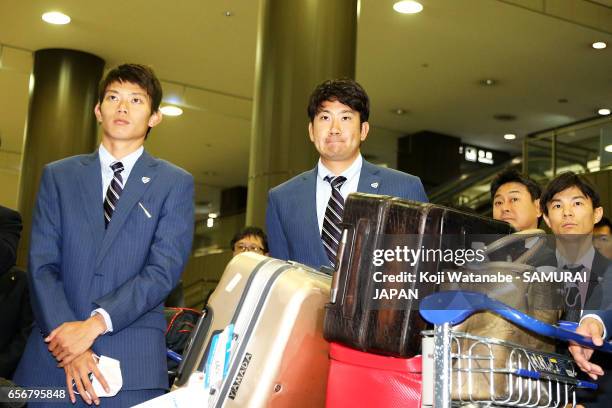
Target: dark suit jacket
<point x="599" y="296"/>
<point x="10" y="231"/>
<point x="15" y="319"/>
<point x="128" y="269"/>
<point x="291" y="215"/>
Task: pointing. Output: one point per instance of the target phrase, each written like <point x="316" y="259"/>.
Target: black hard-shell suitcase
<point x="374" y="222"/>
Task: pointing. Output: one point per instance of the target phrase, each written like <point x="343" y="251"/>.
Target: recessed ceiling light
<point x="55" y="17"/>
<point x="509" y="136"/>
<point x="408" y="7"/>
<point x="399" y="111"/>
<point x="603" y="111"/>
<point x="608" y="148"/>
<point x="504" y="117"/>
<point x="488" y="82"/>
<point x="599" y="45"/>
<point x="170" y="110"/>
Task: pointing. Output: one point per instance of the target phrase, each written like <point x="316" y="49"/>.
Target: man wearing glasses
<point x="250" y="239"/>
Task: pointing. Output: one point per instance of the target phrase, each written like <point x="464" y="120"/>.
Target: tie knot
<point x="336" y="182"/>
<point x="117" y="167"/>
<point x="573" y="268"/>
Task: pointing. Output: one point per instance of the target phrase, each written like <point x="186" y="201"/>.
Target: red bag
<point x="357" y="379"/>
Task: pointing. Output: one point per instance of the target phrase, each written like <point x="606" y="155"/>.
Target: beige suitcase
<point x="279" y="357"/>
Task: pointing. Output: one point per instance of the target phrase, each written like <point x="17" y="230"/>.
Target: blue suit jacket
<point x="76" y="265"/>
<point x="291" y="215"/>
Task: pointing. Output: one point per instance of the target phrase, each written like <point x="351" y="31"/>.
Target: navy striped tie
<point x="114" y="192"/>
<point x="331" y="233"/>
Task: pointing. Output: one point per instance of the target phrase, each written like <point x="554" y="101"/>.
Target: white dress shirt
<point x="324" y="189"/>
<point x="106" y="159"/>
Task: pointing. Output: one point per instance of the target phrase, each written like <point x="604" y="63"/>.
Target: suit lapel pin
<point x="374" y="185"/>
<point x="146" y="180"/>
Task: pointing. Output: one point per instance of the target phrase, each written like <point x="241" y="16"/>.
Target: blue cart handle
<point x="174" y="356"/>
<point x="454" y="306"/>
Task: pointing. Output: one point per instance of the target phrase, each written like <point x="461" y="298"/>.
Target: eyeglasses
<point x="248" y="248"/>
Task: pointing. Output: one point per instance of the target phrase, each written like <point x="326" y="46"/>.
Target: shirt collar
<point x="106" y="159"/>
<point x="586" y="260"/>
<point x="352" y="171"/>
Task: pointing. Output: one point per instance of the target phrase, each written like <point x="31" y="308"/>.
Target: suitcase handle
<point x="454" y="306"/>
<point x="517" y="237"/>
<point x="335" y="284"/>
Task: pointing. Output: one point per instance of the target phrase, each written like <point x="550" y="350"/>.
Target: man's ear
<point x="155" y="118"/>
<point x="365" y="128"/>
<point x="546" y="220"/>
<point x="310" y="132"/>
<point x="597" y="214"/>
<point x="98" y="113"/>
<point x="536" y="202"/>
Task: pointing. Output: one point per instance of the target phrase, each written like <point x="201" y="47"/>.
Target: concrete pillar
<point x="300" y="44"/>
<point x="60" y="122"/>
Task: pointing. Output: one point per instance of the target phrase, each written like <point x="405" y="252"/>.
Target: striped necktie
<point x="331" y="233"/>
<point x="114" y="192"/>
<point x="574" y="303"/>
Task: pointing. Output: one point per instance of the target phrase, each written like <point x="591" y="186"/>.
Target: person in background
<point x="10" y="232"/>
<point x="602" y="237"/>
<point x="250" y="239"/>
<point x="16" y="314"/>
<point x="516" y="200"/>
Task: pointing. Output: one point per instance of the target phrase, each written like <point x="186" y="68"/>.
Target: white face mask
<point x="111" y="370"/>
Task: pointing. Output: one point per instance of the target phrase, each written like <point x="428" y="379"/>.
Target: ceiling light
<point x="509" y="136"/>
<point x="608" y="148"/>
<point x="408" y="7"/>
<point x="55" y="17"/>
<point x="213" y="215"/>
<point x="599" y="45"/>
<point x="210" y="222"/>
<point x="488" y="82"/>
<point x="399" y="111"/>
<point x="170" y="110"/>
<point x="603" y="111"/>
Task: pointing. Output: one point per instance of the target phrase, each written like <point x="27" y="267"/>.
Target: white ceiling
<point x="429" y="64"/>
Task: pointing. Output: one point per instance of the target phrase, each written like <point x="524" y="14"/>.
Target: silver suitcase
<point x="279" y="357"/>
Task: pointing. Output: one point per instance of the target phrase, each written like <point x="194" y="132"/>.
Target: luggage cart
<point x="456" y="365"/>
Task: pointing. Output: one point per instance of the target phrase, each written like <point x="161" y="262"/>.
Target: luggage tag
<point x="218" y="361"/>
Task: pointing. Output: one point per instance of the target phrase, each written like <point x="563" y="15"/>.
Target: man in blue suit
<point x="571" y="207"/>
<point x="111" y="233"/>
<point x="598" y="326"/>
<point x="303" y="213"/>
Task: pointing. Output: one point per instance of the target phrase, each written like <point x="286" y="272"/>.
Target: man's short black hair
<point x="346" y="91"/>
<point x="251" y="232"/>
<point x="564" y="181"/>
<point x="604" y="222"/>
<point x="513" y="176"/>
<point x="140" y="75"/>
